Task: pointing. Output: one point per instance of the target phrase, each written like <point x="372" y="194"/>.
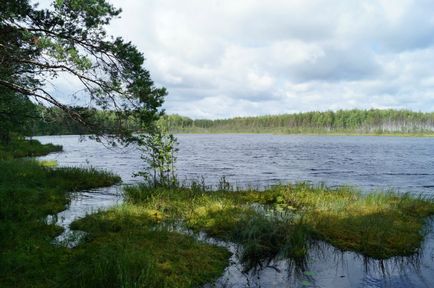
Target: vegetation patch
<point x="284" y="221"/>
<point x="386" y="122"/>
<point x="126" y="247"/>
<point x="122" y="249"/>
<point x="28" y="193"/>
<point x="19" y="147"/>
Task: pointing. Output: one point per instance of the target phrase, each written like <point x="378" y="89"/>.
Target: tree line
<point x="53" y="121"/>
<point x="373" y="121"/>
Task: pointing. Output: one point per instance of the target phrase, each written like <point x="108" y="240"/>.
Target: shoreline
<point x="337" y="134"/>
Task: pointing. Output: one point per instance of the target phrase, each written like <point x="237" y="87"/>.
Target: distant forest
<point x="55" y="121"/>
<point x="374" y="121"/>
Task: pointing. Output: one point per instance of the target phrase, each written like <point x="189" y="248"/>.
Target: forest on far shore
<point x="53" y="121"/>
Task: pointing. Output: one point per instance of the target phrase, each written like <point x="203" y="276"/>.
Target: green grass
<point x="28" y="193"/>
<point x="284" y="221"/>
<point x="129" y="249"/>
<point x="18" y="148"/>
<point x="122" y="250"/>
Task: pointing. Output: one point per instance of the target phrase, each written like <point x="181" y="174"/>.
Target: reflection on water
<point x="327" y="267"/>
<point x="81" y="204"/>
<point x="404" y="164"/>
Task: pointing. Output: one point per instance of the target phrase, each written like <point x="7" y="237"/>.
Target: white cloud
<point x="221" y="58"/>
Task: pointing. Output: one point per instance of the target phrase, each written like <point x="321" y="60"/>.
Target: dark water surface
<point x="370" y="163"/>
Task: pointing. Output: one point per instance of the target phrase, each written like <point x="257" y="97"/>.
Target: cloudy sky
<point x="223" y="58"/>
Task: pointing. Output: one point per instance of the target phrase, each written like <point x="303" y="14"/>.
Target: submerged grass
<point x="283" y="221"/>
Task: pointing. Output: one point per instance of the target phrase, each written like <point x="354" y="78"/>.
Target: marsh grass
<point x="119" y="250"/>
<point x="283" y="221"/>
<point x="129" y="246"/>
<point x="19" y="148"/>
<point x="126" y="248"/>
<point x="28" y="193"/>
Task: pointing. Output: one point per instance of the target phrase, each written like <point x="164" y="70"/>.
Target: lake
<point x="401" y="163"/>
<point x="404" y="164"/>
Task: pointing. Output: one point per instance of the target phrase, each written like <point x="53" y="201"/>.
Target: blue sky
<point x="223" y="58"/>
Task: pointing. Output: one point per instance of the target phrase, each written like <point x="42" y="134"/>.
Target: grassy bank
<point x="19" y="147"/>
<point x="132" y="253"/>
<point x="28" y="193"/>
<point x="283" y="221"/>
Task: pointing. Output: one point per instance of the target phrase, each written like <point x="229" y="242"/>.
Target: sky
<point x="226" y="58"/>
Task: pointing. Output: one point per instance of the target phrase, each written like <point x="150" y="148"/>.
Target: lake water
<point x="404" y="164"/>
<point x="370" y="163"/>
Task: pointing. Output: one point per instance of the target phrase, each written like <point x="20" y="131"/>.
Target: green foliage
<point x="69" y="40"/>
<point x="368" y="122"/>
<point x="16" y="115"/>
<point x="55" y="121"/>
<point x="373" y="122"/>
<point x="158" y="151"/>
